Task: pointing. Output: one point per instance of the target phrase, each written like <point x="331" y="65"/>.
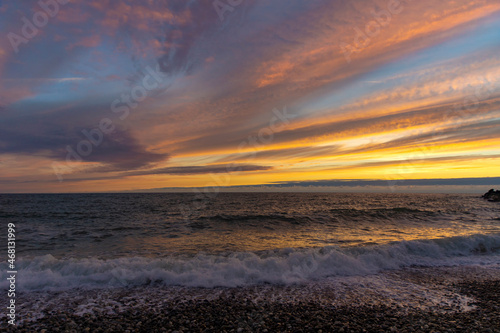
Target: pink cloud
<point x="90" y="41"/>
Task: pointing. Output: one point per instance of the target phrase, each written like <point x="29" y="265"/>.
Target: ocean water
<point x="96" y="241"/>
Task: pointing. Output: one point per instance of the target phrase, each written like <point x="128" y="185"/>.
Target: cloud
<point x="120" y="150"/>
<point x="226" y="77"/>
<point x="407" y="182"/>
<point x="439" y="185"/>
<point x="110" y="172"/>
<point x="196" y="170"/>
<point x="330" y="131"/>
<point x="86" y="42"/>
<point x="50" y="133"/>
<point x="284" y="154"/>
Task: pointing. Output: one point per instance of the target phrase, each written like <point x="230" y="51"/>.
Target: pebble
<point x="230" y="314"/>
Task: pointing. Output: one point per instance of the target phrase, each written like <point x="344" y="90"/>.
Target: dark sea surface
<point x="238" y="239"/>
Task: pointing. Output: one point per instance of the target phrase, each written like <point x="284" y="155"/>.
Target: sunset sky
<point x="105" y="95"/>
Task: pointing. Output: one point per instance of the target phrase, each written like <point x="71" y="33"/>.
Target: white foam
<point x="286" y="266"/>
<point x="427" y="289"/>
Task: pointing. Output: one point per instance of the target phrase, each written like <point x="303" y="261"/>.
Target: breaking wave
<point x="285" y="266"/>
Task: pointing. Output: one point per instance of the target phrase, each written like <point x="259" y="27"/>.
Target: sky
<point x="305" y="94"/>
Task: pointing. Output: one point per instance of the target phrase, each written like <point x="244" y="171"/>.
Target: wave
<point x="285" y="266"/>
<point x="278" y="218"/>
<point x="334" y="214"/>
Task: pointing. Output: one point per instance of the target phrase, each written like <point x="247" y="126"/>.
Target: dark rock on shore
<point x="492" y="195"/>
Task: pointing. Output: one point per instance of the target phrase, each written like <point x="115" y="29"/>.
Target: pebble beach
<point x="453" y="299"/>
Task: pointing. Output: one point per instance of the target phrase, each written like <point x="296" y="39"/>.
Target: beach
<point x="454" y="299"/>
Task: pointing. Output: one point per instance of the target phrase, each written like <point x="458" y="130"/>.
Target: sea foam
<point x="284" y="266"/>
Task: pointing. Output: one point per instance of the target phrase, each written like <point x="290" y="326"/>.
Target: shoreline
<point x="441" y="299"/>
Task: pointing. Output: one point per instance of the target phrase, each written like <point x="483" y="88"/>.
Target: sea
<point x="69" y="244"/>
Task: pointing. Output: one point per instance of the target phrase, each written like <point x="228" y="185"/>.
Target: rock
<point x="492" y="195"/>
